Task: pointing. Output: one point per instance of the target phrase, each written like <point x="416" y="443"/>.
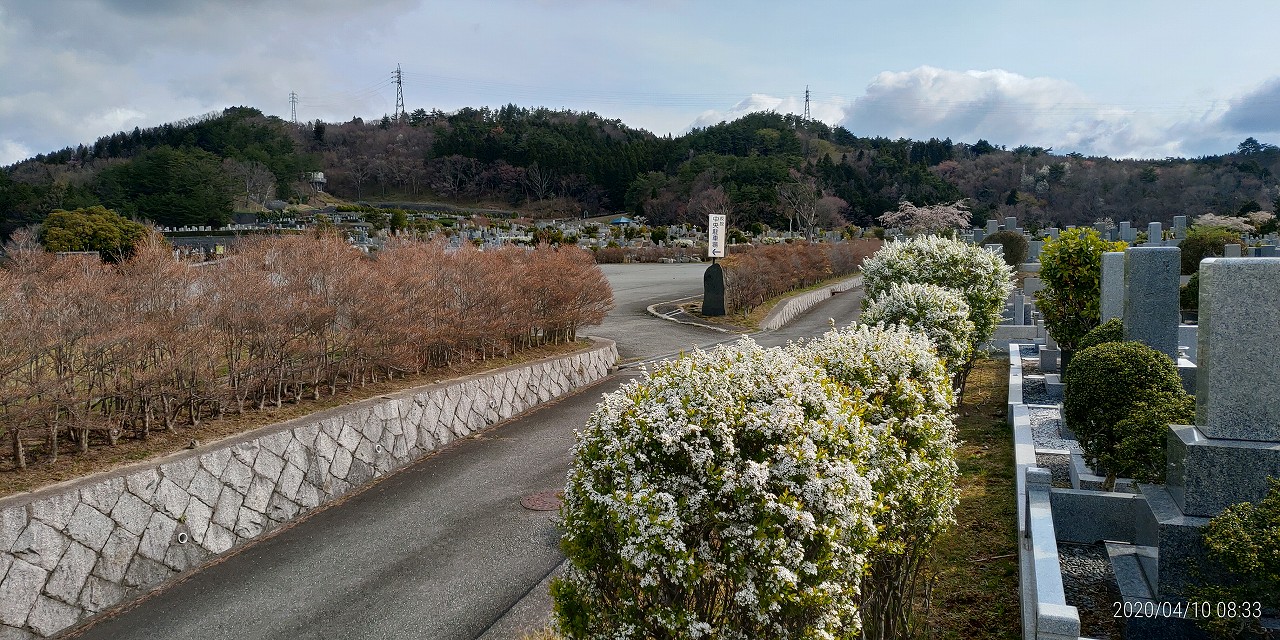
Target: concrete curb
<point x="785" y="311"/>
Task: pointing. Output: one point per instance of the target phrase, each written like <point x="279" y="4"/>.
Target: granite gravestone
<point x="1150" y="306"/>
<point x="1112" y="285"/>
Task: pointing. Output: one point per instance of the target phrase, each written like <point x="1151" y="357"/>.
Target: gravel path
<point x="1045" y="422"/>
<point x="1090" y="586"/>
<point x="1034" y="390"/>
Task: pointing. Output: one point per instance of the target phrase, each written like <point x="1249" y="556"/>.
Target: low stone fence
<point x="70" y="551"/>
<point x="787" y="311"/>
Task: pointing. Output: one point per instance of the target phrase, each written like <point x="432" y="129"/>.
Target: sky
<point x="1125" y="78"/>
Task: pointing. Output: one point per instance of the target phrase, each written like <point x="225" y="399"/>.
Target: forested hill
<point x="557" y="163"/>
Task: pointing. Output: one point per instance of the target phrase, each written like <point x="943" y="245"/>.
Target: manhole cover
<point x="544" y="501"/>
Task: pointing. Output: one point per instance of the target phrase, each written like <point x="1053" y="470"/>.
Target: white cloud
<point x="12" y="151"/>
<point x="826" y="110"/>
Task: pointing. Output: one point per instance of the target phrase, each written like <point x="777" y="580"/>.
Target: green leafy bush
<point x="1103" y="384"/>
<point x="1204" y="242"/>
<point x="1015" y="246"/>
<point x="92" y="229"/>
<point x="726" y="495"/>
<point x="1109" y="331"/>
<point x="1071" y="269"/>
<point x="1189" y="294"/>
<point x="1142" y="436"/>
<point x="1243" y="550"/>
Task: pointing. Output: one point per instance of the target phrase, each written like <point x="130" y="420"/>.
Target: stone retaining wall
<point x="787" y="311"/>
<point x="70" y="551"/>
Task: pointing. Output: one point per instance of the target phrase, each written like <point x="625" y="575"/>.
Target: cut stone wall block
<point x="50" y="616"/>
<point x="331" y="427"/>
<point x="277" y="442"/>
<point x="227" y="509"/>
<point x="156" y="539"/>
<point x="205" y="487"/>
<point x="341" y="464"/>
<point x="197" y="520"/>
<point x="296" y="454"/>
<point x="19" y="590"/>
<point x="102" y="495"/>
<point x="99" y="595"/>
<point x="360" y="473"/>
<point x="249" y="524"/>
<point x="67" y="579"/>
<point x="215" y="462"/>
<point x="180" y="472"/>
<point x="218" y="539"/>
<point x="349" y="439"/>
<point x="90" y="527"/>
<point x="269" y="465"/>
<point x="56" y="510"/>
<point x="259" y="494"/>
<point x="171" y="499"/>
<point x="145" y="573"/>
<point x="116" y="554"/>
<point x="12" y="522"/>
<point x="308" y="496"/>
<point x="290" y="480"/>
<point x="143" y="484"/>
<point x="246" y="452"/>
<point x="281" y="509"/>
<point x="40" y="545"/>
<point x="326" y="447"/>
<point x="132" y="513"/>
<point x="306" y="436"/>
<point x="181" y="557"/>
<point x="237" y="477"/>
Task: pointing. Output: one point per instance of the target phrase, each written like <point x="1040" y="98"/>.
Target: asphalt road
<point x="442" y="549"/>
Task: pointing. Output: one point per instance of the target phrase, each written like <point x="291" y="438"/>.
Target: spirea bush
<point x="982" y="276"/>
<point x="725" y="495"/>
<point x="939" y="312"/>
<point x="1104" y="383"/>
<point x="909" y="399"/>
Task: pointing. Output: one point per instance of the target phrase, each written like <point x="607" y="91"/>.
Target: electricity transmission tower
<point x="399" y="93"/>
<point x="293" y="106"/>
<point x="806" y="102"/>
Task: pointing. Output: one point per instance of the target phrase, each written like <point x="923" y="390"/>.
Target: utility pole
<point x="293" y="106"/>
<point x="806" y="102"/>
<point x="399" y="94"/>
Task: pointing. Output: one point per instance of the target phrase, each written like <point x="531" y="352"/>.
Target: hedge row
<point x="756" y="275"/>
<point x="95" y="350"/>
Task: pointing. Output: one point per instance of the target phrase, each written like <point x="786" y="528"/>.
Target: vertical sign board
<point x="715" y="236"/>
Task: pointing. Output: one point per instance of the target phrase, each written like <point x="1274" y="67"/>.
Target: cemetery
<point x="1148" y="547"/>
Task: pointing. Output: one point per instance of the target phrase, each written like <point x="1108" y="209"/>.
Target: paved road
<point x="443" y="548"/>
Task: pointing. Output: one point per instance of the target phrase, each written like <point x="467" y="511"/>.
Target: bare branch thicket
<point x="756" y="276"/>
<point x="91" y="352"/>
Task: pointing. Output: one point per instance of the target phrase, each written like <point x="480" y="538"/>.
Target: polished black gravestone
<point x="713" y="291"/>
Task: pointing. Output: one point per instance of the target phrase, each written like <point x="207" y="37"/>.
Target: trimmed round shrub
<point x="896" y="372"/>
<point x="1109" y="331"/>
<point x="1103" y="382"/>
<point x="1142" y="436"/>
<point x="725" y="495"/>
<point x="982" y="276"/>
<point x="1204" y="242"/>
<point x="1015" y="246"/>
<point x="939" y="312"/>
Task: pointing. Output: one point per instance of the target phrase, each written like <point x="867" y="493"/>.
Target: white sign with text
<point x="715" y="236"/>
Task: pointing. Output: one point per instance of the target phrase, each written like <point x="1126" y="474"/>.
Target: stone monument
<point x="713" y="290"/>
<point x="1151" y="314"/>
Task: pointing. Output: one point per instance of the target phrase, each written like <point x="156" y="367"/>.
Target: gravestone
<point x="1267" y="251"/>
<point x="1150" y="306"/>
<point x="993" y="226"/>
<point x="1180" y="224"/>
<point x="1226" y="457"/>
<point x="1127" y="232"/>
<point x="1019" y="309"/>
<point x="1033" y="250"/>
<point x="1053" y="232"/>
<point x="1031" y="285"/>
<point x="1155" y="235"/>
<point x="1010" y="223"/>
<point x="996" y="248"/>
<point x="1231" y="251"/>
<point x="713" y="291"/>
<point x="978" y="235"/>
<point x="1112" y="285"/>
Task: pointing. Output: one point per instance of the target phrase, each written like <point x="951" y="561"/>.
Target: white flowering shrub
<point x="896" y="372"/>
<point x="726" y="495"/>
<point x="939" y="312"/>
<point x="982" y="276"/>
